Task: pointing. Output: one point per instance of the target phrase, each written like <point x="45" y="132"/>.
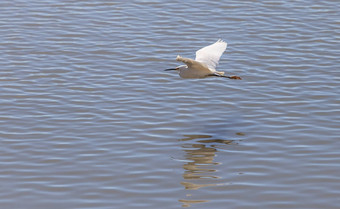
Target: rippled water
<point x="89" y="119"/>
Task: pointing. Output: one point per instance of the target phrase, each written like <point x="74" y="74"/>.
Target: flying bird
<point x="205" y="63"/>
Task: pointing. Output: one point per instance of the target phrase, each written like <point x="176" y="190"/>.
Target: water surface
<point x="89" y="119"/>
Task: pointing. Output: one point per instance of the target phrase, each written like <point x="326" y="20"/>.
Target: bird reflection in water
<point x="200" y="168"/>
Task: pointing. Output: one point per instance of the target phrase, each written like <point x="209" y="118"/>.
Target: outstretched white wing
<point x="210" y="55"/>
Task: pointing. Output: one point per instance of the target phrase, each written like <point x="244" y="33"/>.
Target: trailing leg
<point x="224" y="76"/>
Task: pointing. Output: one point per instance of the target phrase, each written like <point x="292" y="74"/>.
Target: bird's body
<point x="194" y="69"/>
<point x="205" y="63"/>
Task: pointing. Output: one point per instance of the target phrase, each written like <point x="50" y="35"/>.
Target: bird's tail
<point x="220" y="73"/>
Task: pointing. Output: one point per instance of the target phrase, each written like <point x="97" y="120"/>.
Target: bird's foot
<point x="235" y="77"/>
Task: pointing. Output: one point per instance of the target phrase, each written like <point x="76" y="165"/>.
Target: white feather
<point x="210" y="55"/>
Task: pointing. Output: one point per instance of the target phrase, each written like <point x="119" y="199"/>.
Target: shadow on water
<point x="200" y="167"/>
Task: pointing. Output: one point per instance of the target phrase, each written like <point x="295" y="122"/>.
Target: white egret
<point x="205" y="63"/>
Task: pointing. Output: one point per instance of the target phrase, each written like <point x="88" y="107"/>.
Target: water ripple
<point x="89" y="116"/>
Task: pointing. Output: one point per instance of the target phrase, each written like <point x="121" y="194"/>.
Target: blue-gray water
<point x="89" y="119"/>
